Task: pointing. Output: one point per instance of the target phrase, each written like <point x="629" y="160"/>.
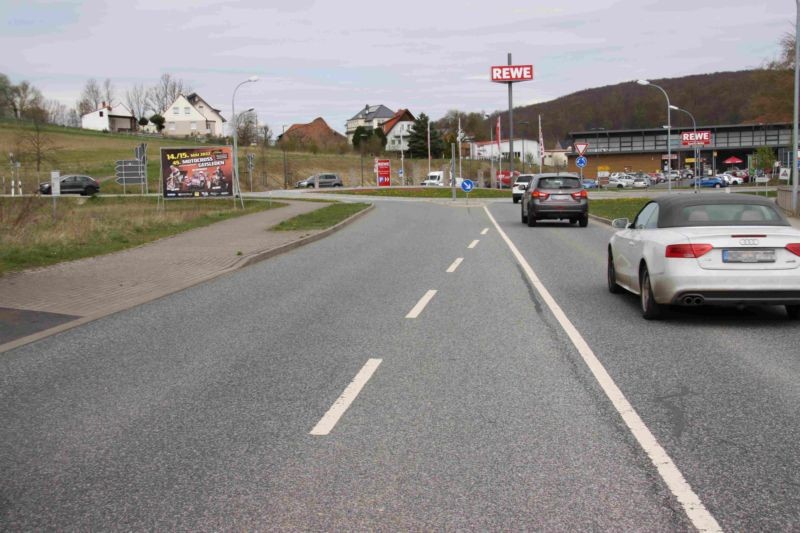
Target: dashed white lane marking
<point x="414" y="313"/>
<point x="473" y="244"/>
<point x="454" y="266"/>
<point x="694" y="508"/>
<point x="485" y="231"/>
<point x="329" y="420"/>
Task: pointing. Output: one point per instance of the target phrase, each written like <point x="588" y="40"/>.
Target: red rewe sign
<point x="512" y="73"/>
<point x="689" y="138"/>
<point x="384" y="172"/>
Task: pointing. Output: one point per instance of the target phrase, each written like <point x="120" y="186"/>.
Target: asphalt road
<point x="194" y="412"/>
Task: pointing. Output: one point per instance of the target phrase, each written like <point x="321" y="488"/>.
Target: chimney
<point x="103" y="105"/>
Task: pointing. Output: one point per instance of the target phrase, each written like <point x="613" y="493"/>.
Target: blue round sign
<point x="467" y="185"/>
<point x="581" y="161"/>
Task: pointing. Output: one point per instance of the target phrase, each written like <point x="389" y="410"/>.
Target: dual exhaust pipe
<point x="692" y="299"/>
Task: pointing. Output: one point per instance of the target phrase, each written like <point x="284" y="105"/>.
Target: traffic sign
<point x="581" y="148"/>
<point x="467" y="186"/>
<point x="130" y="180"/>
<point x="400" y="172"/>
<point x="581" y="161"/>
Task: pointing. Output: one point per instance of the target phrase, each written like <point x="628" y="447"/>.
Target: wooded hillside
<point x="744" y="97"/>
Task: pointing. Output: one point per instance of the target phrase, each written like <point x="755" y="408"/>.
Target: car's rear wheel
<point x="793" y="311"/>
<point x="523" y="215"/>
<point x="89" y="191"/>
<point x="337" y="184"/>
<point x="651" y="310"/>
<point x="516" y="200"/>
<point x="613" y="288"/>
<point x="531" y="220"/>
<point x="583" y="221"/>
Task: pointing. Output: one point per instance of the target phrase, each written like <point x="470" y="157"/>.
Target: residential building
<point x="114" y="118"/>
<point x="371" y="117"/>
<point x="489" y="149"/>
<point x="396" y="130"/>
<point x="317" y="133"/>
<point x="191" y="115"/>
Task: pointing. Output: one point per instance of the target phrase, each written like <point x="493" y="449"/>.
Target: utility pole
<point x="285" y="166"/>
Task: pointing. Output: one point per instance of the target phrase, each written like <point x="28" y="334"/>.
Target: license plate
<point x="748" y="256"/>
<point x="561" y="197"/>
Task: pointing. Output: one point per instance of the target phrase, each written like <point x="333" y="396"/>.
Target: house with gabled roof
<point x="396" y="130"/>
<point x="371" y="118"/>
<point x="191" y="115"/>
<point x="109" y="117"/>
<point x="317" y="133"/>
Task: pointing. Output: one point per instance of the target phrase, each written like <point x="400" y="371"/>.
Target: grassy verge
<point x="321" y="218"/>
<point x="86" y="227"/>
<point x="429" y="192"/>
<point x="617" y="207"/>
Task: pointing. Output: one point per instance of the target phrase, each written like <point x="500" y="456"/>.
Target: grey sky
<point x="330" y="58"/>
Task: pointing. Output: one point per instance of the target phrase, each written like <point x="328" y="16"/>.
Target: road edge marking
<point x="343" y="402"/>
<point x="697" y="513"/>
<point x="417" y="309"/>
<point x="473" y="244"/>
<point x="485" y="231"/>
<point x="454" y="266"/>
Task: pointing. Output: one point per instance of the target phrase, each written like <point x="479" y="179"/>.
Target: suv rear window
<point x="565" y="182"/>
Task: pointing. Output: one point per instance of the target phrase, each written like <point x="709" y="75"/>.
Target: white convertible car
<point x="700" y="249"/>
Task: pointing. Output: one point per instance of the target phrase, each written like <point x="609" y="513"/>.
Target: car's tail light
<point x="794" y="248"/>
<point x="687" y="250"/>
<point x="539" y="194"/>
<point x="580" y="194"/>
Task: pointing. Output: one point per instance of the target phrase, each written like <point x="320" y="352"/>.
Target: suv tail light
<point x="687" y="250"/>
<point x="794" y="248"/>
<point x="580" y="194"/>
<point x="539" y="194"/>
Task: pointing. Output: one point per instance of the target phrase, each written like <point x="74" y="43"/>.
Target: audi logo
<point x="748" y="242"/>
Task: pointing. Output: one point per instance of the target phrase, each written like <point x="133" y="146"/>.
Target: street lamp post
<point x="361" y="138"/>
<point x="237" y="187"/>
<point x="402" y="158"/>
<point x="285" y="166"/>
<point x="669" y="129"/>
<point x="525" y="122"/>
<point x="696" y="150"/>
<point x="491" y="153"/>
<point x="796" y="97"/>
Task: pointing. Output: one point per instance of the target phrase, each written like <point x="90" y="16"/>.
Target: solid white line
<point x="414" y="313"/>
<point x="454" y="266"/>
<point x="694" y="508"/>
<point x="485" y="231"/>
<point x="473" y="244"/>
<point x="329" y="420"/>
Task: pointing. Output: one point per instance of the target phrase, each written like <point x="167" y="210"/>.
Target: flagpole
<point x="541" y="145"/>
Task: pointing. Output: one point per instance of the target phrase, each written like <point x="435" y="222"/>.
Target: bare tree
<point x="108" y="91"/>
<point x="136" y="99"/>
<point x="165" y="92"/>
<point x="35" y="145"/>
<point x="91" y="97"/>
<point x="26" y="100"/>
<point x="56" y="112"/>
<point x="246" y="124"/>
<point x="5" y="96"/>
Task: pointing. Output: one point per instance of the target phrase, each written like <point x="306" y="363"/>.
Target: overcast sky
<point x="330" y="58"/>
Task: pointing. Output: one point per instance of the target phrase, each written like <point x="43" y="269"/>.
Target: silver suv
<point x="322" y="180"/>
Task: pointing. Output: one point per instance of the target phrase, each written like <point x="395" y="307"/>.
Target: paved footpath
<point x="67" y="294"/>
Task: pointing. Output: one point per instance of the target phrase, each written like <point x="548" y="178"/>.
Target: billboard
<point x="384" y="172"/>
<point x="510" y="73"/>
<point x="690" y="138"/>
<point x="197" y="171"/>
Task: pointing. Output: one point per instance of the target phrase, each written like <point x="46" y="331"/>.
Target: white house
<point x="489" y="149"/>
<point x="371" y="117"/>
<point x="191" y="115"/>
<point x="109" y="118"/>
<point x="396" y="130"/>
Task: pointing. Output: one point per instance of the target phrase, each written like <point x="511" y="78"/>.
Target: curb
<point x="244" y="262"/>
<point x="602" y="220"/>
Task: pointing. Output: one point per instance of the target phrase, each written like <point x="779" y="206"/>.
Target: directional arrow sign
<point x="581" y="148"/>
<point x="580" y="162"/>
<point x="130" y="180"/>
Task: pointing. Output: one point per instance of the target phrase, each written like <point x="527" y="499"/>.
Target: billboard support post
<point x="509" y="75"/>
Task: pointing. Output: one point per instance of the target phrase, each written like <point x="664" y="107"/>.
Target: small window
<point x="172" y="126"/>
<point x="186" y="110"/>
<point x="201" y="106"/>
<point x="176" y="111"/>
<point x="101" y="113"/>
<point x="194" y="125"/>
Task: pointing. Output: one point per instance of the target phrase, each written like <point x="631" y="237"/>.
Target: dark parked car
<point x="555" y="197"/>
<point x="325" y="180"/>
<point x="74" y="184"/>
